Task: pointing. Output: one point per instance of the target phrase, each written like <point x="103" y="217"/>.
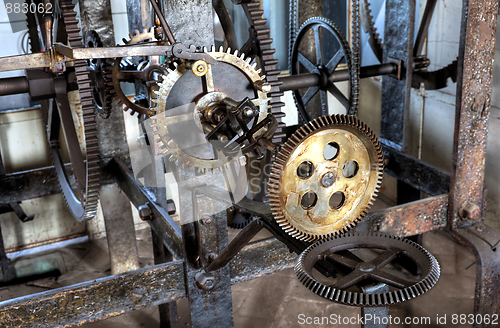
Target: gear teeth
<point x="205" y="49"/>
<point x="228" y="50"/>
<point x="274" y="184"/>
<point x="428" y="264"/>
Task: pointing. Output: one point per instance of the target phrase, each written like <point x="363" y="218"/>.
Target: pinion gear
<point x="325" y="177"/>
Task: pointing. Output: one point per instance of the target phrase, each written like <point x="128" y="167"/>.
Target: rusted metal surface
<point x="260" y="259"/>
<point x="475" y="71"/>
<point x="483" y="241"/>
<point x="111" y="52"/>
<point x="416" y="173"/>
<point x="408" y="219"/>
<point x="96" y="300"/>
<point x="30" y="184"/>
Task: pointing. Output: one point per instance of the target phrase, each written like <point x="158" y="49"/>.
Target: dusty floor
<point x="277" y="300"/>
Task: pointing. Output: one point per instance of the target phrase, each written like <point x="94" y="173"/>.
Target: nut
<point x="171" y="207"/>
<point x="200" y="68"/>
<point x="145" y="212"/>
<point x="205" y="280"/>
<point x="206" y="220"/>
<point x="470" y="211"/>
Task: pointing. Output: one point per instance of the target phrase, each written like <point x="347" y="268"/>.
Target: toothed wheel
<point x="130" y="73"/>
<point x="232" y="78"/>
<point x="373" y="265"/>
<point x="101" y="76"/>
<point x="325" y="177"/>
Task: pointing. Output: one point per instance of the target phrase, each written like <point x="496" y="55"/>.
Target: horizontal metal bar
<point x="416" y="173"/>
<point x="161" y="223"/>
<point x="409" y="219"/>
<point x="294" y="82"/>
<point x="111" y="52"/>
<point x="13" y="85"/>
<point x="260" y="259"/>
<point x="19" y="186"/>
<point x="13" y="63"/>
<point x="97" y="299"/>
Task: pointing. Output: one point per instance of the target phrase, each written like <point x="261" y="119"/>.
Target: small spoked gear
<point x="325" y="177"/>
<point x="100" y="72"/>
<point x="233" y="77"/>
<point x="358" y="274"/>
<point x="145" y="71"/>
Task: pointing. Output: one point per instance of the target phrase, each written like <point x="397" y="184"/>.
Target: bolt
<point x="179" y="51"/>
<point x="387" y="159"/>
<point x="171" y="207"/>
<point x="200" y="68"/>
<point x="470" y="212"/>
<point x="145" y="212"/>
<point x="211" y="256"/>
<point x="206" y="220"/>
<point x="328" y="179"/>
<point x="249" y="112"/>
<point x="205" y="280"/>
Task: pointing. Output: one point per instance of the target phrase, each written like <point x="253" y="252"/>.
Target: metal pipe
<point x="308" y="80"/>
<point x="14" y="85"/>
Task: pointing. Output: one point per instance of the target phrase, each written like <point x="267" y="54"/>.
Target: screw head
<point x="470" y="211"/>
<point x="171" y="209"/>
<point x="145" y="212"/>
<point x="328" y="179"/>
<point x="206" y="220"/>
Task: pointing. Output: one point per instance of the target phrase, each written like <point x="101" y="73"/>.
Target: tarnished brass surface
<point x="352" y="192"/>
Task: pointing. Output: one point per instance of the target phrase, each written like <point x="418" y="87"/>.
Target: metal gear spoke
<point x="309" y="94"/>
<point x="311" y="68"/>
<point x="335" y="61"/>
<point x="351" y="279"/>
<point x="338" y="95"/>
<point x="384" y="258"/>
<point x="390" y="279"/>
<point x="319" y="45"/>
<point x="342" y="260"/>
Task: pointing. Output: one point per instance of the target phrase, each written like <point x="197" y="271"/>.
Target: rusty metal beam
<point x="19" y="186"/>
<point x="96" y="300"/>
<point x="475" y="71"/>
<point x="112" y="296"/>
<point x="409" y="219"/>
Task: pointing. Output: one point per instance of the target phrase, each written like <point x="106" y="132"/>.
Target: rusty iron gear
<point x="325" y="177"/>
<point x="83" y="205"/>
<point x="357" y="272"/>
<point x="161" y="121"/>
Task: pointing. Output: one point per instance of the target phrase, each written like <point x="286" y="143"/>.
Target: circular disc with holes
<point x="325" y="177"/>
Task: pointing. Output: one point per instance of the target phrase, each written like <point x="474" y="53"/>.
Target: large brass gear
<point x="161" y="121"/>
<point x="325" y="177"/>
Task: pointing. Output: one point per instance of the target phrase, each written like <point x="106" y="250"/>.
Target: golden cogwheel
<point x="232" y="77"/>
<point x="325" y="177"/>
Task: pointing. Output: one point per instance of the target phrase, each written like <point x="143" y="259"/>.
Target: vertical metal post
<point x="474" y="85"/>
<point x="120" y="229"/>
<point x="210" y="302"/>
<point x="398" y="46"/>
<point x="467" y="196"/>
